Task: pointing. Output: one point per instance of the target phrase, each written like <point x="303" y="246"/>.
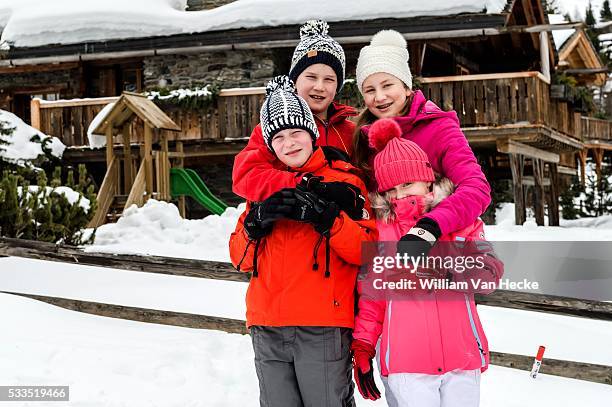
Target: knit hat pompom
<point x="281" y="82"/>
<point x="313" y="27"/>
<point x="383" y="131"/>
<point x="388" y="38"/>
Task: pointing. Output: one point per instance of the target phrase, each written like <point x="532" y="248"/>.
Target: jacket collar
<point x="314" y="163"/>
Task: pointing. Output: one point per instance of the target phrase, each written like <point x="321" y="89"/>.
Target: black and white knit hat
<point x="284" y="109"/>
<point x="317" y="47"/>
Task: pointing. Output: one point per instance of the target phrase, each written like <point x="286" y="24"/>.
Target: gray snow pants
<point x="302" y="366"/>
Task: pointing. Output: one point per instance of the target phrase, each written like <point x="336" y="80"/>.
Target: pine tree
<point x="606" y="13"/>
<point x="589" y="16"/>
<point x="5" y="131"/>
<point x="41" y="213"/>
<point x="551" y="7"/>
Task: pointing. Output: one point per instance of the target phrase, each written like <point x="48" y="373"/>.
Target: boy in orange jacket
<point x="300" y="301"/>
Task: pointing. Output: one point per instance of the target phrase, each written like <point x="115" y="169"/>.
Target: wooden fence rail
<point x="563" y="368"/>
<point x="225" y="271"/>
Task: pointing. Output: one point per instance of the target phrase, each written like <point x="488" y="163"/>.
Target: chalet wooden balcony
<point x="516" y="106"/>
<point x="491" y="107"/>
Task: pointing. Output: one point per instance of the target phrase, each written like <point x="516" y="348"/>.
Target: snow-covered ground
<point x="34" y="23"/>
<point x="111" y="362"/>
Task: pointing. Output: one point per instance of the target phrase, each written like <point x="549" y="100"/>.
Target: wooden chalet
<point x="494" y="70"/>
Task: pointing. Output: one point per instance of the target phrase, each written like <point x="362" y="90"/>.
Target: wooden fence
<point x="224" y="271"/>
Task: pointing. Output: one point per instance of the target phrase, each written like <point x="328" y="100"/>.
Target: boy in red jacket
<point x="317" y="68"/>
<point x="304" y="251"/>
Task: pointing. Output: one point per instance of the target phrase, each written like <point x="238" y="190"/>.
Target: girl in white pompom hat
<point x="385" y="81"/>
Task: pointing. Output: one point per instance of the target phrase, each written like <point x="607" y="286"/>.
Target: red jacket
<point x="288" y="291"/>
<point x="257" y="172"/>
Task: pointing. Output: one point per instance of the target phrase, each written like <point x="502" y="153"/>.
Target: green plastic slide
<point x="187" y="182"/>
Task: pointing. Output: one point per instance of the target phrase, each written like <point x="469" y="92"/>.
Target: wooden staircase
<point x="116" y="208"/>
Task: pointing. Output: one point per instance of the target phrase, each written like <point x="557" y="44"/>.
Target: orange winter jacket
<point x="257" y="173"/>
<point x="288" y="289"/>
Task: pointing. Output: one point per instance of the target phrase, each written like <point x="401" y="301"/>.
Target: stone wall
<point x="195" y="5"/>
<point x="226" y="68"/>
<point x="68" y="80"/>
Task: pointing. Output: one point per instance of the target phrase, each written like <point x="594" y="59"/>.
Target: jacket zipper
<point x="388" y="335"/>
<point x="475" y="331"/>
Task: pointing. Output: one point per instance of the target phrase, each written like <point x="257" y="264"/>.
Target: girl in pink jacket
<point x="432" y="344"/>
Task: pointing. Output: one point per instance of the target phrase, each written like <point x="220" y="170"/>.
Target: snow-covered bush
<point x="50" y="213"/>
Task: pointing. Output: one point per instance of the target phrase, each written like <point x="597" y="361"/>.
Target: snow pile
<point x="98" y="140"/>
<point x="34" y="23"/>
<point x="70" y="194"/>
<point x="158" y="229"/>
<point x="21" y="149"/>
<point x="118" y="362"/>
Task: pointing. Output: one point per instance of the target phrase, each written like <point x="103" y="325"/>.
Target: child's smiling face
<point x="317" y="86"/>
<point x="408" y="189"/>
<point x="385" y="95"/>
<point x="293" y="147"/>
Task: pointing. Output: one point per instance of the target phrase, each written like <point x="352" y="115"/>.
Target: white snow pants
<point x="459" y="388"/>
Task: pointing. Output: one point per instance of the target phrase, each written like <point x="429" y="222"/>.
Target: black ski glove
<point x="312" y="209"/>
<point x="258" y="222"/>
<point x="347" y="196"/>
<point x="420" y="238"/>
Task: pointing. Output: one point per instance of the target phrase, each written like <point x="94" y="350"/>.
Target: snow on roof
<point x="31" y="23"/>
<point x="560" y="36"/>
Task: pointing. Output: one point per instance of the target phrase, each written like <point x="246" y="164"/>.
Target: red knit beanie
<point x="397" y="160"/>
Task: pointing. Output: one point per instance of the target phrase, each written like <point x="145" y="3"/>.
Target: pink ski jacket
<point x="428" y="331"/>
<point x="439" y="134"/>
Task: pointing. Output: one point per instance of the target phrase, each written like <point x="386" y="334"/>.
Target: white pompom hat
<point x="387" y="53"/>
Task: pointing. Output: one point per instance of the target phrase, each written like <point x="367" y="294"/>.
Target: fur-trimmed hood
<point x="383" y="207"/>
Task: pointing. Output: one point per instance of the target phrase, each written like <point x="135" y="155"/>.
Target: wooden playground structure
<point x="136" y="120"/>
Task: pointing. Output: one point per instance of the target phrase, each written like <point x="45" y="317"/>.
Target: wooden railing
<point x="234" y="115"/>
<point x="596" y="129"/>
<point x="521" y="98"/>
<point x="501" y="99"/>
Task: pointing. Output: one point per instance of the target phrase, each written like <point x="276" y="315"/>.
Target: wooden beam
<point x="509" y="146"/>
<point x="575" y="370"/>
<point x="180" y="163"/>
<point x="148" y="158"/>
<point x="152" y="316"/>
<point x="35" y="113"/>
<point x="128" y="175"/>
<point x="539" y="195"/>
<point x="109" y="146"/>
<point x="553" y="196"/>
<point x="517" y="167"/>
